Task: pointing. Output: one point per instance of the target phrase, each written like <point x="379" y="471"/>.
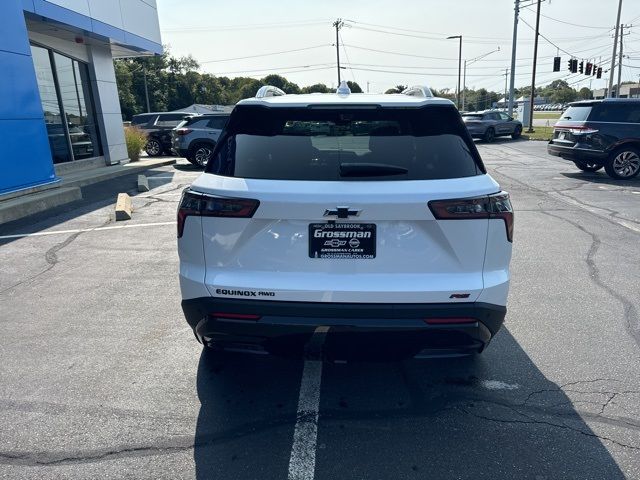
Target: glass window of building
<point x="71" y="125"/>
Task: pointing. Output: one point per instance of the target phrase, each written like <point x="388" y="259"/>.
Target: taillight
<point x="183" y="131"/>
<point x="201" y="205"/>
<point x="490" y="206"/>
<point x="576" y="129"/>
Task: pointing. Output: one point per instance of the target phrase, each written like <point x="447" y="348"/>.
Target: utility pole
<point x="513" y="58"/>
<point x="338" y="24"/>
<point x="506" y="77"/>
<point x="146" y="87"/>
<point x="613" y="55"/>
<point x="620" y="62"/>
<point x="622" y="34"/>
<point x="533" y="75"/>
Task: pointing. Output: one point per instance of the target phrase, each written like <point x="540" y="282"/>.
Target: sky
<point x="385" y="43"/>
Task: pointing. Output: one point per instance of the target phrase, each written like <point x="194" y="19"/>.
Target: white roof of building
<point x="388" y="100"/>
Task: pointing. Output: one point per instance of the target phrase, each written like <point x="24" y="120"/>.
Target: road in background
<point x="101" y="377"/>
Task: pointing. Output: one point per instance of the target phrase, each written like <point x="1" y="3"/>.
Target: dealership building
<point x="60" y="111"/>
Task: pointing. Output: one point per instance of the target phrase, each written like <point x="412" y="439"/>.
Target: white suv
<point x="372" y="215"/>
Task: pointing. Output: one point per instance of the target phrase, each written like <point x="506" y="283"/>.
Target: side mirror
<point x="511" y="119"/>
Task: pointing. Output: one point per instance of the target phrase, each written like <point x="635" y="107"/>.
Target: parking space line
<point x="83" y="230"/>
<point x="302" y="463"/>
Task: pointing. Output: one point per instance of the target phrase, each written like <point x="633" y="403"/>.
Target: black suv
<point x="600" y="133"/>
<point x="158" y="126"/>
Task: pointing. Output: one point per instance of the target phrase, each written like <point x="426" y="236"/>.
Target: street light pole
<point x="459" y="67"/>
<point x="464" y="75"/>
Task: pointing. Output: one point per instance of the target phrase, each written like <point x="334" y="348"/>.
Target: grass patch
<point x="541" y="133"/>
<point x="547" y="115"/>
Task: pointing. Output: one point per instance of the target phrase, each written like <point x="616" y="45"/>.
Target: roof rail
<point x="269" y="91"/>
<point x="418" y="91"/>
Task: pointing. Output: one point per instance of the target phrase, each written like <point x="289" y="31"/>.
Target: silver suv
<point x="196" y="137"/>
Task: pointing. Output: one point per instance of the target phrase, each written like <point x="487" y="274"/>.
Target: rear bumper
<point x="575" y="154"/>
<point x="355" y="329"/>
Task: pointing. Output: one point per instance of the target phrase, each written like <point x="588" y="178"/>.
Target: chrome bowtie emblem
<point x="342" y="212"/>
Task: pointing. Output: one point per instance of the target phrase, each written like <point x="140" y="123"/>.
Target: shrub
<point x="136" y="140"/>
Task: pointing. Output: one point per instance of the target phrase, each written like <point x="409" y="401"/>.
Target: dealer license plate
<point x="356" y="241"/>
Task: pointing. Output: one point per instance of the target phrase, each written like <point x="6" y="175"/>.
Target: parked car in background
<point x="490" y="124"/>
<point x="600" y="133"/>
<point x="196" y="137"/>
<point x="158" y="127"/>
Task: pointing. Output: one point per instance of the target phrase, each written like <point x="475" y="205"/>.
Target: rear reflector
<point x="235" y="316"/>
<point x="449" y="321"/>
<point x="488" y="206"/>
<point x="202" y="205"/>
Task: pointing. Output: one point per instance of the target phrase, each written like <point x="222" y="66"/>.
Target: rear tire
<point x="623" y="163"/>
<point x="200" y="154"/>
<point x="489" y="135"/>
<point x="153" y="148"/>
<point x="517" y="132"/>
<point x="588" y="166"/>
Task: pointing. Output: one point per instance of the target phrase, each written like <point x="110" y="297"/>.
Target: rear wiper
<point x="370" y="170"/>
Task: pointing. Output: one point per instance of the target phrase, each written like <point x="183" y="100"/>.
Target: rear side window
<point x="577" y="113"/>
<point x="616" y="112"/>
<point x="172" y="120"/>
<point x="141" y="119"/>
<point x="323" y="143"/>
<point x="218" y="122"/>
<point x="196" y="123"/>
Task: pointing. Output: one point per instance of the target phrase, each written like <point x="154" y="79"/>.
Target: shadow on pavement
<point x="247" y="414"/>
<point x="94" y="197"/>
<point x="601" y="178"/>
<point x="495" y="416"/>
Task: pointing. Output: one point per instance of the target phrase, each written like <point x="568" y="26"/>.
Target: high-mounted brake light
<point x="202" y="205"/>
<point x="490" y="206"/>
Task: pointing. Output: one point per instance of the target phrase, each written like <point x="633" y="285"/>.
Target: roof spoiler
<point x="269" y="91"/>
<point x="418" y="91"/>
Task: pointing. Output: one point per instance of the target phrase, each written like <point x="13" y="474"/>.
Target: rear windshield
<point x="342" y="144"/>
<point x="576" y="114"/>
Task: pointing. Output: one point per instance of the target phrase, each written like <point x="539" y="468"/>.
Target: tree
<point x="397" y="89"/>
<point x="585" y="93"/>
<point x="316" y="88"/>
<point x="354" y="87"/>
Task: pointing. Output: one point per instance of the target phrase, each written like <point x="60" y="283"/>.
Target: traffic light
<point x="573" y="65"/>
<point x="588" y="68"/>
<point x="599" y="74"/>
<point x="595" y="69"/>
<point x="581" y="69"/>
<point x="556" y="64"/>
<point x="570" y="65"/>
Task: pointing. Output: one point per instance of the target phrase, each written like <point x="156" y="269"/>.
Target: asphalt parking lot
<point x="100" y="377"/>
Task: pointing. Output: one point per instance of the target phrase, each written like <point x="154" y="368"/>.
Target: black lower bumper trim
<point x="286" y="327"/>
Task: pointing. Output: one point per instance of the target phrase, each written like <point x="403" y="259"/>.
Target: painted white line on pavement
<point x="82" y="230"/>
<point x="302" y="463"/>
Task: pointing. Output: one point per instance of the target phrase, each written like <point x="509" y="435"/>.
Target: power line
<point x="303" y="67"/>
<point x="574" y="24"/>
<point x="267" y="54"/>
